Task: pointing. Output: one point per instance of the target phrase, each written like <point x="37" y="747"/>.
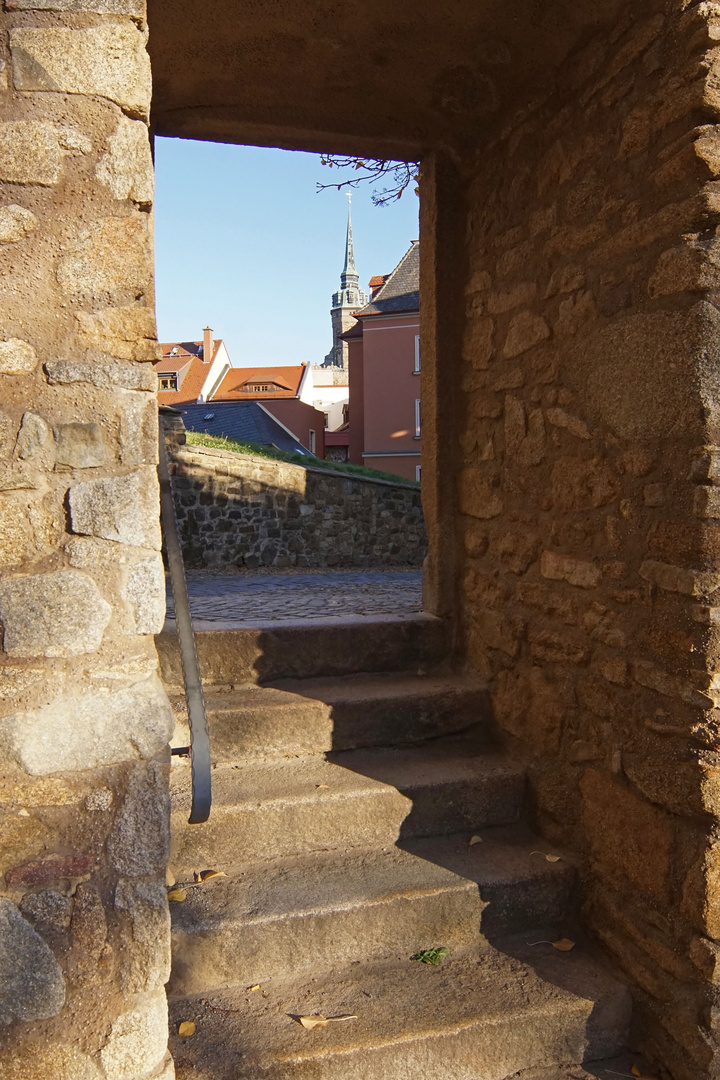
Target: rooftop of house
<point x="183" y="362"/>
<point x="247" y="384"/>
<point x="243" y="421"/>
<point x="401" y="290"/>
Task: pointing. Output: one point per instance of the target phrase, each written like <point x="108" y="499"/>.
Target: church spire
<point x="349" y="267"/>
<point x="348" y="299"/>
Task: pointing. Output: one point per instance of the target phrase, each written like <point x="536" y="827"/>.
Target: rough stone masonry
<point x="84" y="720"/>
<point x="588" y="489"/>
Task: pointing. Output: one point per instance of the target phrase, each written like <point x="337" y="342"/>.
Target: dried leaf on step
<point x="255" y="987"/>
<point x="563" y="945"/>
<point x="641" y="1076"/>
<point x="186" y="1029"/>
<point x="548" y="858"/>
<point x="431" y="956"/>
<point x="317" y="1020"/>
<point x="325" y="787"/>
<point x="169" y="878"/>
<point x="475" y="840"/>
<point x="205" y="875"/>
<point x="177" y="895"/>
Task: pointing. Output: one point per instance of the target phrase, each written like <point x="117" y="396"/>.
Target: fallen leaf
<point x="255" y="987"/>
<point x="548" y="858"/>
<point x="317" y="1020"/>
<point x="177" y="895"/>
<point x="475" y="840"/>
<point x="205" y="875"/>
<point x="325" y="786"/>
<point x="563" y="945"/>
<point x="169" y="877"/>
<point x="431" y="956"/>
<point x="186" y="1029"/>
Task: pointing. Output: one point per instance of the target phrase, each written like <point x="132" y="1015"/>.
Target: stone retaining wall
<point x="236" y="510"/>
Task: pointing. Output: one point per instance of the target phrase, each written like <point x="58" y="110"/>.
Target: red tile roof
<point x="190" y="367"/>
<point x="286" y="379"/>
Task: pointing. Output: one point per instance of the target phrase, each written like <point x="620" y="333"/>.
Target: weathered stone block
<point x="125" y="332"/>
<point x="122" y="508"/>
<point x="526" y="330"/>
<point x="478" y="343"/>
<point x="108" y="60"/>
<point x="139" y="844"/>
<point x="58" y="614"/>
<point x="528" y="705"/>
<point x="31" y="982"/>
<point x="573" y="424"/>
<point x="144" y="591"/>
<point x="134" y="8"/>
<point x="580" y="572"/>
<point x="30" y="153"/>
<point x="15" y="223"/>
<point x="34" y="438"/>
<point x="103" y="372"/>
<point x="524" y="432"/>
<point x="500" y="302"/>
<point x="52" y="1061"/>
<point x="516" y="549"/>
<point x="17" y="357"/>
<point x="88" y="730"/>
<point x="583" y="484"/>
<point x="127" y="167"/>
<point x="138" y="1039"/>
<point x="147" y="958"/>
<point x="564" y="280"/>
<point x="476" y="497"/>
<point x="630" y="839"/>
<point x="678" y="579"/>
<point x="110" y="263"/>
<point x="80" y="446"/>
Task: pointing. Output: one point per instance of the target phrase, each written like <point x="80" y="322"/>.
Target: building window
<point x="418" y="470"/>
<point x="416" y="369"/>
<point x="311" y="441"/>
<point x="168" y="381"/>
<point x="259" y="388"/>
<point x="417" y="418"/>
<point x="327" y="419"/>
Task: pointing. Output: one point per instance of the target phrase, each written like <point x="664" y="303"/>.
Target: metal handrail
<point x="199" y="735"/>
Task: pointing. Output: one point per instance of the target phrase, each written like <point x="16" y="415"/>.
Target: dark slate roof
<point x="244" y="421"/>
<point x="401" y="291"/>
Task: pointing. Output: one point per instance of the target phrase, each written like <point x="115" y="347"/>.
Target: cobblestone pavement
<point x="225" y="601"/>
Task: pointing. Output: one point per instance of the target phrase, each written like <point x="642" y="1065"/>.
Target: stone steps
<point x="484" y="1016"/>
<point x="312" y="716"/>
<point x="308" y="650"/>
<point x="256" y="923"/>
<point x="273" y="808"/>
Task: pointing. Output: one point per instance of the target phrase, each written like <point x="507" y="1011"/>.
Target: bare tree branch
<point x="401" y="175"/>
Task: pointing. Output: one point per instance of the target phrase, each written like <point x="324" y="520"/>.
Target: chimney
<point x="207" y="345"/>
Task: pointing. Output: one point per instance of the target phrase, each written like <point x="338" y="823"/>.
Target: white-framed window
<point x="418" y="470"/>
<point x="311" y="441"/>
<point x="417" y="418"/>
<point x="416" y="369"/>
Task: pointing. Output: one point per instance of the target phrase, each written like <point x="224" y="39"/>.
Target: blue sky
<point x="245" y="244"/>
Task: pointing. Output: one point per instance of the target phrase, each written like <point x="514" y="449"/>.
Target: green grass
<point x="194" y="438"/>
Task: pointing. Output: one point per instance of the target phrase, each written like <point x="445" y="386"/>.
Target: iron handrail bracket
<point x="199" y="735"/>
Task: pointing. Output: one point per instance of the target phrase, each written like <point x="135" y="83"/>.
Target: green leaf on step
<point x="431" y="956"/>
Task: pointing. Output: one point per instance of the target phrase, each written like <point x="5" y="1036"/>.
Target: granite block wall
<point x="236" y="510"/>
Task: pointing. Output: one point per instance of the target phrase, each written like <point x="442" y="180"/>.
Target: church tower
<point x="348" y="299"/>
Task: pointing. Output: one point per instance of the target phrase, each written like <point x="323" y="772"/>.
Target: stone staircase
<point x="351" y="772"/>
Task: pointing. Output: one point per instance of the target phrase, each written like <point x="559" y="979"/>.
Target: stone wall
<point x="588" y="489"/>
<point x="84" y="720"/>
<point x="236" y="510"/>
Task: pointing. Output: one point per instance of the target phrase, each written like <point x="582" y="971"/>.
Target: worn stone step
<point x="485" y="1017"/>
<point x="257" y="922"/>
<point x="270" y="920"/>
<point x="309" y="649"/>
<point x="360" y="799"/>
<point x="305" y="716"/>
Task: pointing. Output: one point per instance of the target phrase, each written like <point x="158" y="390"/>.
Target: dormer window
<point x="260" y="388"/>
<point x="168" y="380"/>
<point x="174" y="351"/>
